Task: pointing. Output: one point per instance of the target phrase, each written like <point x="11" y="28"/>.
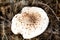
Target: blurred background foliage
<point x="8" y="8"/>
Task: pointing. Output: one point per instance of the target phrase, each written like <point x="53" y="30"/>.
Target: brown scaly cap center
<point x="32" y="17"/>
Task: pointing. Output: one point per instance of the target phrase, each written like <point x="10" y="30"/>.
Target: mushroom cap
<point x="32" y="22"/>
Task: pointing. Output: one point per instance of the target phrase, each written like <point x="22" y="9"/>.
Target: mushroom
<point x="31" y="22"/>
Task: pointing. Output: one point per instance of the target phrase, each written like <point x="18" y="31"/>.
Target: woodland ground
<point x="8" y="8"/>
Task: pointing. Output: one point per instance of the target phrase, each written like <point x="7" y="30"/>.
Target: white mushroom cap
<point x="32" y="22"/>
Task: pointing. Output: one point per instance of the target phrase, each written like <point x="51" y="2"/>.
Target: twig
<point x="51" y="10"/>
<point x="4" y="35"/>
<point x="50" y="37"/>
<point x="5" y="19"/>
<point x="56" y="5"/>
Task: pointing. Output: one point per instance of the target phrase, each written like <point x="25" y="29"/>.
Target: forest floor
<point x="8" y="8"/>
